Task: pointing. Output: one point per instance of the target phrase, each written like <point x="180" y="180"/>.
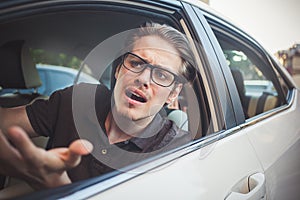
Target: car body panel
<point x="271" y="139"/>
<point x="194" y="175"/>
<point x="277" y="148"/>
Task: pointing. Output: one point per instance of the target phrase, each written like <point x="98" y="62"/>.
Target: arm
<point x="20" y="158"/>
<point x="16" y="116"/>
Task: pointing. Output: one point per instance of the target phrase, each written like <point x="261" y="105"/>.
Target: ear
<point x="117" y="72"/>
<point x="174" y="93"/>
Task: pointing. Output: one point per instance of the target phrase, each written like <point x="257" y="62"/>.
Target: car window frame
<point x="269" y="72"/>
<point x="221" y="106"/>
<point x="248" y="40"/>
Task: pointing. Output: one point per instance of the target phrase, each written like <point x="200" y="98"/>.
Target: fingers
<point x="57" y="159"/>
<point x="7" y="151"/>
<point x="69" y="157"/>
<point x="13" y="145"/>
<point x="81" y="147"/>
<point x="21" y="141"/>
<point x="19" y="157"/>
<point x="77" y="149"/>
<point x="4" y="144"/>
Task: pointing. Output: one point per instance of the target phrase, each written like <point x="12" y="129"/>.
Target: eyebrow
<point x="157" y="66"/>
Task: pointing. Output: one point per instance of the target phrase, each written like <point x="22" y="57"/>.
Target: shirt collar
<point x="150" y="132"/>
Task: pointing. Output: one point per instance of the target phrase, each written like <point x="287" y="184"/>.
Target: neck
<point x="120" y="128"/>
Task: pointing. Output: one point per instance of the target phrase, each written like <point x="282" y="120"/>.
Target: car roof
<point x="37" y="36"/>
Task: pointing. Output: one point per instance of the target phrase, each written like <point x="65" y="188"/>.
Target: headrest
<point x="239" y="81"/>
<point x="17" y="69"/>
<point x="180" y="118"/>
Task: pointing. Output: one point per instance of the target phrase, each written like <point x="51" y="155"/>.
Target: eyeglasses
<point x="160" y="76"/>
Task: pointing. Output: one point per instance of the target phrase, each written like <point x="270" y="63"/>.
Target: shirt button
<point x="104" y="151"/>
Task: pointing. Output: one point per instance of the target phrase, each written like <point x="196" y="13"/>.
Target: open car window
<point x="70" y="37"/>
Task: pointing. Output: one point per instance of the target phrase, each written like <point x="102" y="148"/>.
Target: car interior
<point x="18" y="72"/>
<point x="247" y="66"/>
<point x="253" y="105"/>
<point x="76" y="33"/>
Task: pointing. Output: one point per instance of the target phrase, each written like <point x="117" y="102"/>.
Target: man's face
<point x="137" y="97"/>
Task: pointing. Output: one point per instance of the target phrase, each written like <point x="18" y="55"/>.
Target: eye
<point x="161" y="75"/>
<point x="136" y="64"/>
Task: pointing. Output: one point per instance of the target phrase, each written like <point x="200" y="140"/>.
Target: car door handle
<point x="252" y="188"/>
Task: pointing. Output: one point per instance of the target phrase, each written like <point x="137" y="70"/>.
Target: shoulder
<point x="87" y="87"/>
<point x="179" y="134"/>
<point x="173" y="136"/>
<point x="80" y="90"/>
<point x="67" y="95"/>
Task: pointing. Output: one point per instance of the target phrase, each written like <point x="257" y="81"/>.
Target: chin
<point x="127" y="114"/>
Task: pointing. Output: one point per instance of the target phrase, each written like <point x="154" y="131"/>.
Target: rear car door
<point x="270" y="104"/>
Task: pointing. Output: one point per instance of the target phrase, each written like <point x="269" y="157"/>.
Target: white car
<point x="53" y="78"/>
<point x="59" y="77"/>
<point x="246" y="146"/>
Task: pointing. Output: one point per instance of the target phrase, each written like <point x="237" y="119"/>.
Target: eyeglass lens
<point x="159" y="75"/>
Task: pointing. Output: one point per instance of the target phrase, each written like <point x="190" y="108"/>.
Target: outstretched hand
<point x="20" y="158"/>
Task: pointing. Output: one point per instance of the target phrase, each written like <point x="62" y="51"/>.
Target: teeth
<point x="136" y="94"/>
<point x="137" y="98"/>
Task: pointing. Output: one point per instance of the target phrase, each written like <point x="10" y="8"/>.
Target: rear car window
<point x="258" y="83"/>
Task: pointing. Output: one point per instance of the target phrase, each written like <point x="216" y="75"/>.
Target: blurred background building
<point x="205" y="1"/>
<point x="290" y="59"/>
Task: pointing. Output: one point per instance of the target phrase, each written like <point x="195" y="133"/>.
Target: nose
<point x="144" y="78"/>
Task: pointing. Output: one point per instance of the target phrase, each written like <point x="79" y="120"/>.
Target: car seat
<point x="180" y="118"/>
<point x="17" y="71"/>
<point x="253" y="105"/>
<point x="261" y="104"/>
<point x="239" y="82"/>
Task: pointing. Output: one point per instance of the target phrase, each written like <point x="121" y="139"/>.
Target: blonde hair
<point x="172" y="36"/>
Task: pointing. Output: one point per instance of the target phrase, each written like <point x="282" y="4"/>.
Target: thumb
<point x="78" y="148"/>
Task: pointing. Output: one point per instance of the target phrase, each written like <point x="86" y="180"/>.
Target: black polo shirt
<point x="80" y="112"/>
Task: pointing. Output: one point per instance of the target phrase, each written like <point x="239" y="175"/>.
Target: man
<point x="150" y="75"/>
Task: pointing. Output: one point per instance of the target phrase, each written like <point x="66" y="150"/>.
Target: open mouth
<point x="135" y="96"/>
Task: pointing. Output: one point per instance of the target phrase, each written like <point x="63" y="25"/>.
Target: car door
<point x="271" y="108"/>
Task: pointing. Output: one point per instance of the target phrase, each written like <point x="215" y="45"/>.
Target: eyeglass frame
<point x="177" y="78"/>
